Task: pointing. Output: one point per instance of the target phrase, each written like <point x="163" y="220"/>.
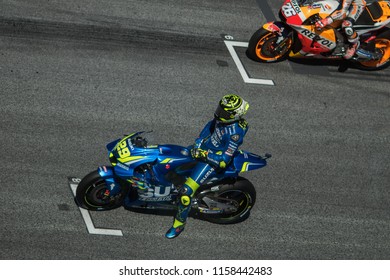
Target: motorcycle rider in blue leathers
<point x="214" y="149"/>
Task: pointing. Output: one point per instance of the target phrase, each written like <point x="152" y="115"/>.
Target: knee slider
<point x="185" y="195"/>
<point x="185" y="200"/>
<point x="348" y="29"/>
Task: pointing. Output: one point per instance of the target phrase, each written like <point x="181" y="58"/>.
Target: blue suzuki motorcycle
<point x="143" y="176"/>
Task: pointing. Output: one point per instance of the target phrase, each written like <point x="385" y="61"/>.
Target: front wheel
<point x="233" y="201"/>
<point x="266" y="46"/>
<point x="92" y="193"/>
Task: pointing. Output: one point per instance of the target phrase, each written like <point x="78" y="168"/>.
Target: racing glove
<point x="199" y="154"/>
<point x="323" y="22"/>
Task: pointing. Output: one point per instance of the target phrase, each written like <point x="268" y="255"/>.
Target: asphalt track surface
<point x="76" y="75"/>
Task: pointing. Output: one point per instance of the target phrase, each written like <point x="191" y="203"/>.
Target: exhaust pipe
<point x="367" y="55"/>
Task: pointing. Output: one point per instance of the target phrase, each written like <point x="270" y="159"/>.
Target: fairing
<point x="167" y="161"/>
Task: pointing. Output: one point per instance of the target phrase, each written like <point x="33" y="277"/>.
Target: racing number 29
<point x="123" y="150"/>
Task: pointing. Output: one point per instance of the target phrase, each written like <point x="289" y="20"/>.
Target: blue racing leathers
<point x="219" y="141"/>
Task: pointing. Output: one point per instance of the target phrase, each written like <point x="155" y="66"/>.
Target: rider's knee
<point x="186" y="190"/>
<point x="347" y="26"/>
<point x="185" y="194"/>
<point x="185" y="200"/>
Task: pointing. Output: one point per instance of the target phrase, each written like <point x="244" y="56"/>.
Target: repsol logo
<point x="296" y="6"/>
<point x="325" y="42"/>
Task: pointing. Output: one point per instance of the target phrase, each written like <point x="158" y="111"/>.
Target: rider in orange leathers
<point x="348" y="11"/>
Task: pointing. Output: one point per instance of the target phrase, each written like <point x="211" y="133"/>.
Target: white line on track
<point x="88" y="220"/>
<point x="230" y="45"/>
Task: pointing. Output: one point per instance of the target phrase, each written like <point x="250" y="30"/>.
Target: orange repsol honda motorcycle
<point x="295" y="36"/>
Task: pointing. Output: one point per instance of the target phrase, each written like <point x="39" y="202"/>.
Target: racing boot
<point x="175" y="230"/>
<point x="183" y="209"/>
<point x="351" y="50"/>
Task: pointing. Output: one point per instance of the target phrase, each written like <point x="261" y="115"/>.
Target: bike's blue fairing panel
<point x="125" y="157"/>
<point x="110" y="146"/>
<point x="246" y="161"/>
<point x="108" y="174"/>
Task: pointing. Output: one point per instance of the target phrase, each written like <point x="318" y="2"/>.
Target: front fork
<point x="284" y="33"/>
<point x="107" y="173"/>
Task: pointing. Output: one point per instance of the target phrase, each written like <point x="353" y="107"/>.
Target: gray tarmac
<point x="75" y="76"/>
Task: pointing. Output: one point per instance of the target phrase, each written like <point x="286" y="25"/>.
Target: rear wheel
<point x="234" y="201"/>
<point x="92" y="193"/>
<point x="266" y="46"/>
<point x="382" y="45"/>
